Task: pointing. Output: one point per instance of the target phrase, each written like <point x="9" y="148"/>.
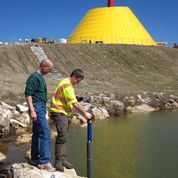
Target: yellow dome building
<point x="111" y="25"/>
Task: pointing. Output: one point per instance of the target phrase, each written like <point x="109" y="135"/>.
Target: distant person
<point x="36" y="97"/>
<point x="62" y="103"/>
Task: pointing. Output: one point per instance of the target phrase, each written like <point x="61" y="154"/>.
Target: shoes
<point x="47" y="167"/>
<point x="58" y="165"/>
<point x="32" y="162"/>
<point x="67" y="165"/>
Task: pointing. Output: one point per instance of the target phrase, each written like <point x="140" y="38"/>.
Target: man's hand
<point x="33" y="115"/>
<point x="32" y="112"/>
<point x="85" y="114"/>
<point x="88" y="115"/>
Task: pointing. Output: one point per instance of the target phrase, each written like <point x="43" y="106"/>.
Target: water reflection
<point x="133" y="146"/>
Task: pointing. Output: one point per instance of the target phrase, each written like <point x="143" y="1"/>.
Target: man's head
<point x="46" y="66"/>
<point x="76" y="76"/>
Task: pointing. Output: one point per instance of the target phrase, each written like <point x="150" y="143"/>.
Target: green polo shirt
<point x="36" y="87"/>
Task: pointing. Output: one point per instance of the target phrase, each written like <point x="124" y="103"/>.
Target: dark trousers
<point x="62" y="125"/>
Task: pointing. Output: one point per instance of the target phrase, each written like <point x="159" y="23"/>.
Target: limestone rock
<point x="5" y="115"/>
<point x="16" y="123"/>
<point x="2" y="157"/>
<point x="100" y="113"/>
<point x="142" y="108"/>
<point x="24" y="170"/>
<point x="21" y="108"/>
<point x="25" y="138"/>
<point x="6" y="106"/>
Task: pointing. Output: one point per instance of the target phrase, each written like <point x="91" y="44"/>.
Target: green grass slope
<point x="121" y="69"/>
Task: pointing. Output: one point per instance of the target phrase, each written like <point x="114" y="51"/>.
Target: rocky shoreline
<point x="25" y="170"/>
<point x="101" y="106"/>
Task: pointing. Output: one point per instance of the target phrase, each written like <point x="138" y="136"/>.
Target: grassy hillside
<point x="16" y="62"/>
<point x="118" y="69"/>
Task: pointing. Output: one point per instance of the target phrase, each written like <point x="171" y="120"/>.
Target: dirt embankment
<point x="120" y="69"/>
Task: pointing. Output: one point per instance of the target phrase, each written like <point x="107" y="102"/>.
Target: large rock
<point x="129" y="101"/>
<point x="6" y="106"/>
<point x="21" y="108"/>
<point x="2" y="157"/>
<point x="141" y="108"/>
<point x="16" y="123"/>
<point x="116" y="108"/>
<point x="100" y="113"/>
<point x="9" y="116"/>
<point x="5" y="116"/>
<point x="24" y="119"/>
<point x="25" y="138"/>
<point x="24" y="170"/>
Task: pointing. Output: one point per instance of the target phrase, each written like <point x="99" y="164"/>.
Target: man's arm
<point x="85" y="114"/>
<point x="32" y="112"/>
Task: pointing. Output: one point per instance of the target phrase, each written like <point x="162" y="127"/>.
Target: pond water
<point x="132" y="146"/>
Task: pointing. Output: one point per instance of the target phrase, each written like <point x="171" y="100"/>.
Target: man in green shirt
<point x="36" y="96"/>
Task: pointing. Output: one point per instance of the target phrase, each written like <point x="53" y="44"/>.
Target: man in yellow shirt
<point x="62" y="103"/>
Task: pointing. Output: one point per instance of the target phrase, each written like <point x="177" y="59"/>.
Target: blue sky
<point x="58" y="18"/>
